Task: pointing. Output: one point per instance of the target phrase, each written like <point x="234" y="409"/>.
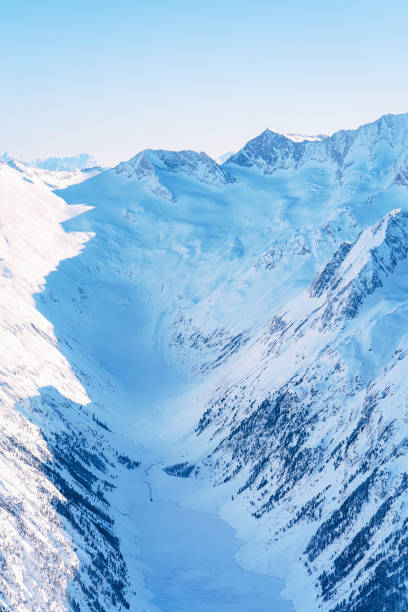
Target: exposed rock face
<point x="356" y="271"/>
<point x="145" y="168"/>
<point x="270" y="151"/>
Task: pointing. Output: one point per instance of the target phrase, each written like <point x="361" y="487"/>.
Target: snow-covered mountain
<point x="83" y="161"/>
<point x="376" y="144"/>
<point x="58" y="173"/>
<point x="184" y="340"/>
<point x="147" y="167"/>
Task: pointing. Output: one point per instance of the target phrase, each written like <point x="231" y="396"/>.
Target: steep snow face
<point x="357" y="271"/>
<point x="37" y="556"/>
<point x="311" y="425"/>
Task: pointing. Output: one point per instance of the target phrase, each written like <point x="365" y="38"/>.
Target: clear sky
<point x="113" y="77"/>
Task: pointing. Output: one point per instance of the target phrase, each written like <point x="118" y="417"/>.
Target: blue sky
<point x="112" y="78"/>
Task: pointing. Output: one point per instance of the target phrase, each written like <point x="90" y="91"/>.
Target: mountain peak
<point x="5" y="158"/>
<point x="150" y="167"/>
<point x="141" y="170"/>
<point x="271" y="151"/>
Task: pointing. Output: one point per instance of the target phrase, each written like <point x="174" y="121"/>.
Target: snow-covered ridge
<point x="271" y="151"/>
<point x="59" y="173"/>
<point x="355" y="271"/>
<point x="145" y="168"/>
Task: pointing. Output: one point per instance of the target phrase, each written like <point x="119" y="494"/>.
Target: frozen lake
<point x="189" y="565"/>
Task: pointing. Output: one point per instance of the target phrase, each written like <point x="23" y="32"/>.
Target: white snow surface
<point x="303" y="137"/>
<point x="52" y="178"/>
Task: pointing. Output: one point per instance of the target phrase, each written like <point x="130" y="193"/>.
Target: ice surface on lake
<point x="189" y="564"/>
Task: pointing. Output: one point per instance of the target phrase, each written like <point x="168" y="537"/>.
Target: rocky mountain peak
<point x="149" y="167"/>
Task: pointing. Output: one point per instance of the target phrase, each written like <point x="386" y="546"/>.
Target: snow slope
<point x="231" y="341"/>
<point x="32" y="244"/>
<point x="55" y="178"/>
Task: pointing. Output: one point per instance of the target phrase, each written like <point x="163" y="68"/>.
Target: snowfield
<point x="203" y="378"/>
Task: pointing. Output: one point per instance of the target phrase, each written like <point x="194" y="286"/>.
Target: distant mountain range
<point x="82" y="161"/>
